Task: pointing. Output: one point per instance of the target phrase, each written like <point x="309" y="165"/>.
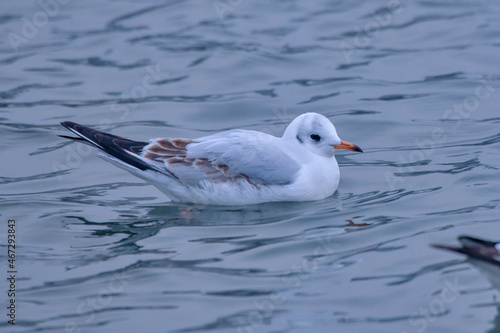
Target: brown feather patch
<point x="224" y="169"/>
<point x="150" y="156"/>
<point x="174" y="144"/>
<point x="173" y="152"/>
<point x="157" y="149"/>
<point x="176" y="160"/>
<point x="181" y="143"/>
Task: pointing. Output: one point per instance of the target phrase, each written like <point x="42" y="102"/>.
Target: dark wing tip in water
<point x="446" y="247"/>
<point x="115" y="146"/>
<point x="475" y="248"/>
<point x="472" y="241"/>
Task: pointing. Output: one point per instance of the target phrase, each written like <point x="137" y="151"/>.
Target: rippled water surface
<point x="416" y="84"/>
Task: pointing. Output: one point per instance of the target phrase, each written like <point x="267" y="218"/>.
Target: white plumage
<point x="235" y="167"/>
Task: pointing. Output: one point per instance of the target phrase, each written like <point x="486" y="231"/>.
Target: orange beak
<point x="347" y="146"/>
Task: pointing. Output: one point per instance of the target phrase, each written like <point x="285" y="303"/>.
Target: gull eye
<point x="315" y="137"/>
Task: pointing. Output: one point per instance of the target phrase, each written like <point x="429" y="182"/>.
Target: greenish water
<point x="416" y="85"/>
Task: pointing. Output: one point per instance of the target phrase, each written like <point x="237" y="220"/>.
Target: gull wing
<point x="224" y="157"/>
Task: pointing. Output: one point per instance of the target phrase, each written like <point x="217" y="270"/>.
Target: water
<point x="416" y="86"/>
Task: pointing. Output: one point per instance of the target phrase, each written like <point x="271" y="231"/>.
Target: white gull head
<point x="316" y="133"/>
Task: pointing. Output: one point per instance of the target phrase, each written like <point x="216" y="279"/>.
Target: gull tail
<point x="124" y="150"/>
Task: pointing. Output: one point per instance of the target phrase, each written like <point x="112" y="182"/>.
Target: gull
<point x="236" y="167"/>
<point x="483" y="254"/>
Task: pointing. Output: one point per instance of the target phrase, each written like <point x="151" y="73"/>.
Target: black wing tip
<point x="445" y="247"/>
<point x="474" y="248"/>
<point x="71" y="137"/>
<point x="69" y="124"/>
<point x="469" y="241"/>
<point x="84" y="133"/>
<point x="466" y="242"/>
<point x="113" y="145"/>
<point x="82" y="129"/>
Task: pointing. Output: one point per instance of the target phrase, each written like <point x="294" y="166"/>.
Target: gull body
<point x="235" y="167"/>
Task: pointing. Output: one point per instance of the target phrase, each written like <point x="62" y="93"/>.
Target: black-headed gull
<point x="483" y="254"/>
<point x="236" y="167"/>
